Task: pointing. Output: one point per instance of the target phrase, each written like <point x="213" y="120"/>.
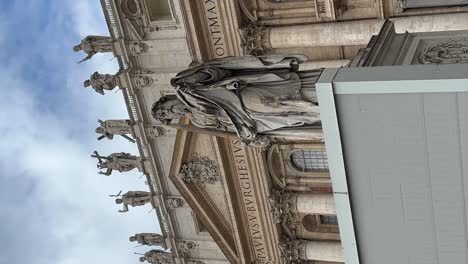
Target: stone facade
<point x="214" y="195"/>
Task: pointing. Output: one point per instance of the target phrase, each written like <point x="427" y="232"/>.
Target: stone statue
<point x="157" y="256"/>
<point x="94" y="44"/>
<point x="120" y="161"/>
<point x="100" y="82"/>
<point x="110" y="128"/>
<point x="251" y="96"/>
<point x="135" y="198"/>
<point x="149" y="239"/>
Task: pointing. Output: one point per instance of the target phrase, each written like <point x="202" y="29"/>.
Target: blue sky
<point x="56" y="208"/>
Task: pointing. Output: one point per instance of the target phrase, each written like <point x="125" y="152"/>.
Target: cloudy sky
<point x="55" y="207"/>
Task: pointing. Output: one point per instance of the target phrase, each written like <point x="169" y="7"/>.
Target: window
<point x="159" y="10"/>
<point x="328" y="220"/>
<point x="307" y="160"/>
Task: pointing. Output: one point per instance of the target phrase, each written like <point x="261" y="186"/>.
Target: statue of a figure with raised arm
<point x="100" y="82"/>
<point x="119" y="161"/>
<point x="149" y="239"/>
<point x="133" y="199"/>
<point x="119" y="127"/>
<point x="251" y="96"/>
<point x="94" y="44"/>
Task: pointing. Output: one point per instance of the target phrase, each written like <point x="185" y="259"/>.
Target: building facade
<point x="217" y="200"/>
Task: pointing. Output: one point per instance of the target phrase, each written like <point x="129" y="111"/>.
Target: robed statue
<point x="100" y="82"/>
<point x="149" y="239"/>
<point x="120" y="161"/>
<point x="133" y="199"/>
<point x="251" y="96"/>
<point x="94" y="44"/>
<point x="110" y="128"/>
<point x="157" y="256"/>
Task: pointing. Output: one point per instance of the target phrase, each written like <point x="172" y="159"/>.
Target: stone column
<point x="319" y="204"/>
<point x="310" y="65"/>
<point x="302" y="250"/>
<point x="258" y="38"/>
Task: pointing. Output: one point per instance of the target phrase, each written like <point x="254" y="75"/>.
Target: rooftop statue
<point x="94" y="44"/>
<point x="157" y="256"/>
<point x="110" y="128"/>
<point x="251" y="96"/>
<point x="120" y="161"/>
<point x="132" y="198"/>
<point x="100" y="82"/>
<point x="149" y="239"/>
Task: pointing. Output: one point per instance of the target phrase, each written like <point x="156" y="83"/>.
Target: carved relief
<point x="154" y="28"/>
<point x="255" y="39"/>
<point x="448" y="52"/>
<point x="293" y="250"/>
<point x="175" y="202"/>
<point x="138" y="47"/>
<point x="131" y="8"/>
<point x="187" y="246"/>
<point x="200" y="170"/>
<point x="283" y="210"/>
<point x="143" y="81"/>
<point x="156" y="131"/>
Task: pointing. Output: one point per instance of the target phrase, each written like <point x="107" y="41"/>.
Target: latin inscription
<point x="249" y="200"/>
<point x="214" y="27"/>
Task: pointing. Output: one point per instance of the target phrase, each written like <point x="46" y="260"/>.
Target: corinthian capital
<point x="255" y="39"/>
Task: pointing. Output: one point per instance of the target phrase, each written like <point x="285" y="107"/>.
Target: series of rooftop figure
<point x="122" y="162"/>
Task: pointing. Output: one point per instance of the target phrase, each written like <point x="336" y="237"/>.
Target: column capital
<point x="255" y="39"/>
<point x="293" y="250"/>
<point x="283" y="208"/>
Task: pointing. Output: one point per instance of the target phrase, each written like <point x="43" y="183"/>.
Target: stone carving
<point x="293" y="250"/>
<point x="448" y="52"/>
<point x="132" y="198"/>
<point x="200" y="170"/>
<point x="283" y="209"/>
<point x="131" y="9"/>
<point x="120" y="161"/>
<point x="175" y="202"/>
<point x="156" y="131"/>
<point x="217" y="95"/>
<point x="400" y="6"/>
<point x="143" y="81"/>
<point x="157" y="256"/>
<point x="149" y="239"/>
<point x="110" y="128"/>
<point x="255" y="39"/>
<point x="186" y="246"/>
<point x="94" y="44"/>
<point x="138" y="47"/>
<point x="154" y="28"/>
<point x="101" y="82"/>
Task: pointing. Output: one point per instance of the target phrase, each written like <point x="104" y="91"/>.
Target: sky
<point x="56" y="209"/>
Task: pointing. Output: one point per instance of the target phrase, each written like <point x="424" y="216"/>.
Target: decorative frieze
<point x="447" y="52"/>
<point x="200" y="170"/>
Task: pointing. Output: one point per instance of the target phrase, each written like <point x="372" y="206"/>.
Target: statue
<point x="120" y="161"/>
<point x="94" y="44"/>
<point x="251" y="96"/>
<point x="157" y="256"/>
<point x="110" y="128"/>
<point x="132" y="198"/>
<point x="100" y="82"/>
<point x="149" y="239"/>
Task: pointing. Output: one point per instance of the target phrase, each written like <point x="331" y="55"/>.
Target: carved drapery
<point x="200" y="170"/>
<point x="255" y="39"/>
<point x="447" y="52"/>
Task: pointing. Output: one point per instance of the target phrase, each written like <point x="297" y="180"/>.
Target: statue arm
<point x="107" y="173"/>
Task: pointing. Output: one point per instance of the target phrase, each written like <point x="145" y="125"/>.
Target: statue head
<point x="77" y="48"/>
<point x="100" y="130"/>
<point x="132" y="239"/>
<point x="118" y="201"/>
<point x="168" y="108"/>
<point x="142" y="259"/>
<point x="87" y="83"/>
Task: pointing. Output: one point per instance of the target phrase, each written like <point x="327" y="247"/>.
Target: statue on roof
<point x="94" y="44"/>
<point x="133" y="199"/>
<point x="149" y="239"/>
<point x="250" y="96"/>
<point x="110" y="128"/>
<point x="120" y="161"/>
<point x="100" y="82"/>
<point x="157" y="256"/>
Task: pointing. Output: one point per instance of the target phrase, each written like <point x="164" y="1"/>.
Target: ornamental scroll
<point x="448" y="52"/>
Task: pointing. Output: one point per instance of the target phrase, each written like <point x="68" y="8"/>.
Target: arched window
<point x="309" y="160"/>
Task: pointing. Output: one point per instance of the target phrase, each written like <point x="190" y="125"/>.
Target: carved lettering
<point x="216" y="35"/>
<point x="249" y="201"/>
